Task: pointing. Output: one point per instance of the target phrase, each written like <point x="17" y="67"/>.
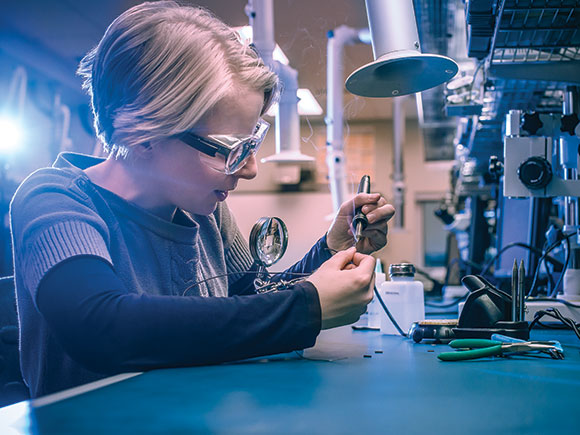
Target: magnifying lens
<point x="268" y="243"/>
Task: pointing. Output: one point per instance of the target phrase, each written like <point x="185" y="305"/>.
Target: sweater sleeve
<point x="52" y="219"/>
<point x="317" y="255"/>
<point x="108" y="329"/>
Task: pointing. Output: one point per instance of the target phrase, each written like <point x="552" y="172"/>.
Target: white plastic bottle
<point x="403" y="297"/>
<point x="374" y="308"/>
<point x="371" y="319"/>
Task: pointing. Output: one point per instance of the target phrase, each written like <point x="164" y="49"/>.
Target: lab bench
<point x="350" y="382"/>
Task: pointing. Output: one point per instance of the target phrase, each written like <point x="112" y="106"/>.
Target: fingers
<point x="380" y="214"/>
<point x="342" y="258"/>
<point x="373" y="205"/>
<point x="347" y="208"/>
<point x="376" y="236"/>
<point x="358" y="257"/>
<point x="351" y="259"/>
<point x="361" y="199"/>
<point x="365" y="263"/>
<point x="372" y="241"/>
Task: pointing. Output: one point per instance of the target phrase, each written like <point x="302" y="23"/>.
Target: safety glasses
<point x="226" y="153"/>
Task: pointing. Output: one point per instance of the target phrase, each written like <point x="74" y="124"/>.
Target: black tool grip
<point x="359" y="220"/>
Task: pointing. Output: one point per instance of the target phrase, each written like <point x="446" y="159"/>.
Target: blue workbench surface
<point x="404" y="389"/>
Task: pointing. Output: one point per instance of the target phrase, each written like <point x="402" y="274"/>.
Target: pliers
<point x="480" y="348"/>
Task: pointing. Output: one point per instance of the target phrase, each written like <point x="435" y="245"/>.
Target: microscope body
<point x="543" y="165"/>
<point x="541" y="159"/>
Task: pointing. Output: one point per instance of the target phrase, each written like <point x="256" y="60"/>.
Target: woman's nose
<point x="249" y="170"/>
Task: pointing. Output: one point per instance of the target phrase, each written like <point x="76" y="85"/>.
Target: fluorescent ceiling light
<point x="307" y="104"/>
<point x="246" y="33"/>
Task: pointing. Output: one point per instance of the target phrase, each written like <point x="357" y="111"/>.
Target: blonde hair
<point x="160" y="67"/>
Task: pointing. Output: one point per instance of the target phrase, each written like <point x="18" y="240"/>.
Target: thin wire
<point x="554" y="291"/>
<point x="488" y="265"/>
<point x="554" y="313"/>
<point x="544" y="255"/>
<point x="448" y="269"/>
<point x="389" y="315"/>
<point x="255" y="272"/>
<point x="456" y="301"/>
<point x="550" y="278"/>
<point x="477" y="68"/>
<point x="443" y="313"/>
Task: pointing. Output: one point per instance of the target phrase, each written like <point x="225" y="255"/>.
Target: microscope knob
<point x="444" y="215"/>
<point x="535" y="172"/>
<point x="569" y="123"/>
<point x="532" y="123"/>
<point x="495" y="167"/>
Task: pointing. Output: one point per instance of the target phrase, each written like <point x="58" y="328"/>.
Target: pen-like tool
<point x="360" y="221"/>
<point x="515" y="294"/>
<point x="521" y="291"/>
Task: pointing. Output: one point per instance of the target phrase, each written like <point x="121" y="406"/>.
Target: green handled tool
<point x="480" y="348"/>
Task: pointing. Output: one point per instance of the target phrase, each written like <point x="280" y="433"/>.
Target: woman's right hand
<point x="345" y="287"/>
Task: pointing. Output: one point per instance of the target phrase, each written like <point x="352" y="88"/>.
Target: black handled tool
<point x="360" y="221"/>
<point x="515" y="295"/>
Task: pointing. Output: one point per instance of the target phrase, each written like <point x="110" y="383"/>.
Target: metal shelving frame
<point x="537" y="31"/>
<point x="535" y="50"/>
<point x="534" y="54"/>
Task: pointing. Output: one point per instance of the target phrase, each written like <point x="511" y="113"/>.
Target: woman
<point x="135" y="262"/>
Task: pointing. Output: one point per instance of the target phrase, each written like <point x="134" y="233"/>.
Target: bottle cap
<point x="402" y="269"/>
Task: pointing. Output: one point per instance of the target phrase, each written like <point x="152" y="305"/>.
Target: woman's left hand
<point x="340" y="236"/>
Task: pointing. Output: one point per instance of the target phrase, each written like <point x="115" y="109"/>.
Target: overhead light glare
<point x="246" y="32"/>
<point x="307" y="104"/>
<point x="11" y="135"/>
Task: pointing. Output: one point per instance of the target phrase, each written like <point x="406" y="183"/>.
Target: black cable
<point x="437" y="286"/>
<point x="488" y="265"/>
<point x="554" y="291"/>
<point x="546" y="252"/>
<point x="549" y="272"/>
<point x="538" y="267"/>
<point x="456" y="301"/>
<point x="550" y="279"/>
<point x="389" y="315"/>
<point x="448" y="269"/>
<point x="551" y="326"/>
<point x="554" y="313"/>
<point x="443" y="313"/>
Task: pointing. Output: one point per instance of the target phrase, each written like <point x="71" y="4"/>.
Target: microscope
<point x="541" y="157"/>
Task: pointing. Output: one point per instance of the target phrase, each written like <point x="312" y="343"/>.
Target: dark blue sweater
<point x="100" y="286"/>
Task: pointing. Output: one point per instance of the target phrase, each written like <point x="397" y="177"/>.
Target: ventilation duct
<point x="288" y="155"/>
<point x="399" y="67"/>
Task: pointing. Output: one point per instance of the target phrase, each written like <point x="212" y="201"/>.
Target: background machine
<point x="514" y="188"/>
